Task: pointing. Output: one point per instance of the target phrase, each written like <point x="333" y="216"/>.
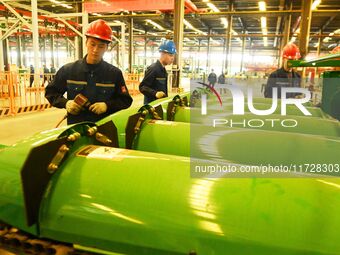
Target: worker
<point x="212" y="78"/>
<point x="101" y="83"/>
<point x="221" y="78"/>
<point x="155" y="82"/>
<point x="31" y="75"/>
<point x="284" y="76"/>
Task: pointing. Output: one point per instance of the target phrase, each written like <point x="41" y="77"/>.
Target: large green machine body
<point x="147" y="203"/>
<point x="138" y="202"/>
<point x="331" y="93"/>
<point x="152" y="198"/>
<point x="331" y="82"/>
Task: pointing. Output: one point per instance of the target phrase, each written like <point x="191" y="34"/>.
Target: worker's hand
<point x="72" y="107"/>
<point x="98" y="108"/>
<point x="160" y="94"/>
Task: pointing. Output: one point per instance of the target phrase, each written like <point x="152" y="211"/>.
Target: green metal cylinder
<point x="164" y="137"/>
<point x="272" y="122"/>
<point x="144" y="203"/>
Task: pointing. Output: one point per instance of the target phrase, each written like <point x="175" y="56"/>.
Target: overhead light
<point x="265" y="41"/>
<point x="61" y="4"/>
<point x="337" y="31"/>
<point x="315" y="4"/>
<point x="139" y="30"/>
<point x="331" y="34"/>
<point x="262" y="6"/>
<point x="234" y="34"/>
<point x="224" y="21"/>
<point x="187" y="23"/>
<point x="154" y="24"/>
<point x="332" y="45"/>
<point x="326" y="39"/>
<point x="205" y="1"/>
<point x="213" y="7"/>
<point x="263" y="22"/>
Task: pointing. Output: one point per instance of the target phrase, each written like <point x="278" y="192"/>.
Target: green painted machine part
<point x="331" y="82"/>
<point x="147" y="201"/>
<point x="273" y="122"/>
<point x="331" y="93"/>
<point x="325" y="61"/>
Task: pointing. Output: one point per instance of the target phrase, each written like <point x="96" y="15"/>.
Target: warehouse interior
<point x="210" y="167"/>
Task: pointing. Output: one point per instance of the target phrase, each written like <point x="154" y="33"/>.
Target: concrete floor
<point x="15" y="128"/>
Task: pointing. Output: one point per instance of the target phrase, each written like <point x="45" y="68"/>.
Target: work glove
<point x="72" y="107"/>
<point x="160" y="94"/>
<point x="98" y="108"/>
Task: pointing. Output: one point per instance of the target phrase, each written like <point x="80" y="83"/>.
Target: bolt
<point x="91" y="131"/>
<point x="73" y="137"/>
<point x="64" y="148"/>
<point x="52" y="168"/>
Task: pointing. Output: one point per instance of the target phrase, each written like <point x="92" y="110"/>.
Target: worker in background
<point x="221" y="79"/>
<point x="52" y="69"/>
<point x="212" y="78"/>
<point x="46" y="75"/>
<point x="284" y="76"/>
<point x="101" y="83"/>
<point x="155" y="82"/>
<point x="31" y="75"/>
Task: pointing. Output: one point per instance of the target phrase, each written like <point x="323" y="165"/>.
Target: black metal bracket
<point x="136" y="121"/>
<point x="107" y="134"/>
<point x="172" y="106"/>
<point x="35" y="176"/>
<point x="44" y="160"/>
<point x="133" y="126"/>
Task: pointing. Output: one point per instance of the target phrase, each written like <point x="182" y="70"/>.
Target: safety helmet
<point x="99" y="29"/>
<point x="291" y="51"/>
<point x="336" y="50"/>
<point x="168" y="46"/>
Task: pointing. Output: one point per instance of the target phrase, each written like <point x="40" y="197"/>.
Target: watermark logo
<point x="239" y="100"/>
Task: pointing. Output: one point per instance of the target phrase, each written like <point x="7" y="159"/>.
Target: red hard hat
<point x="99" y="29"/>
<point x="336" y="50"/>
<point x="291" y="51"/>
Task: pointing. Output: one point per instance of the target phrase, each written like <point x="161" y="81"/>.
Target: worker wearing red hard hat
<point x="154" y="84"/>
<point x="91" y="79"/>
<point x="284" y="76"/>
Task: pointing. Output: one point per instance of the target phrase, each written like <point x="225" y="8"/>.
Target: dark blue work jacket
<point x="155" y="79"/>
<point x="280" y="79"/>
<point x="102" y="82"/>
